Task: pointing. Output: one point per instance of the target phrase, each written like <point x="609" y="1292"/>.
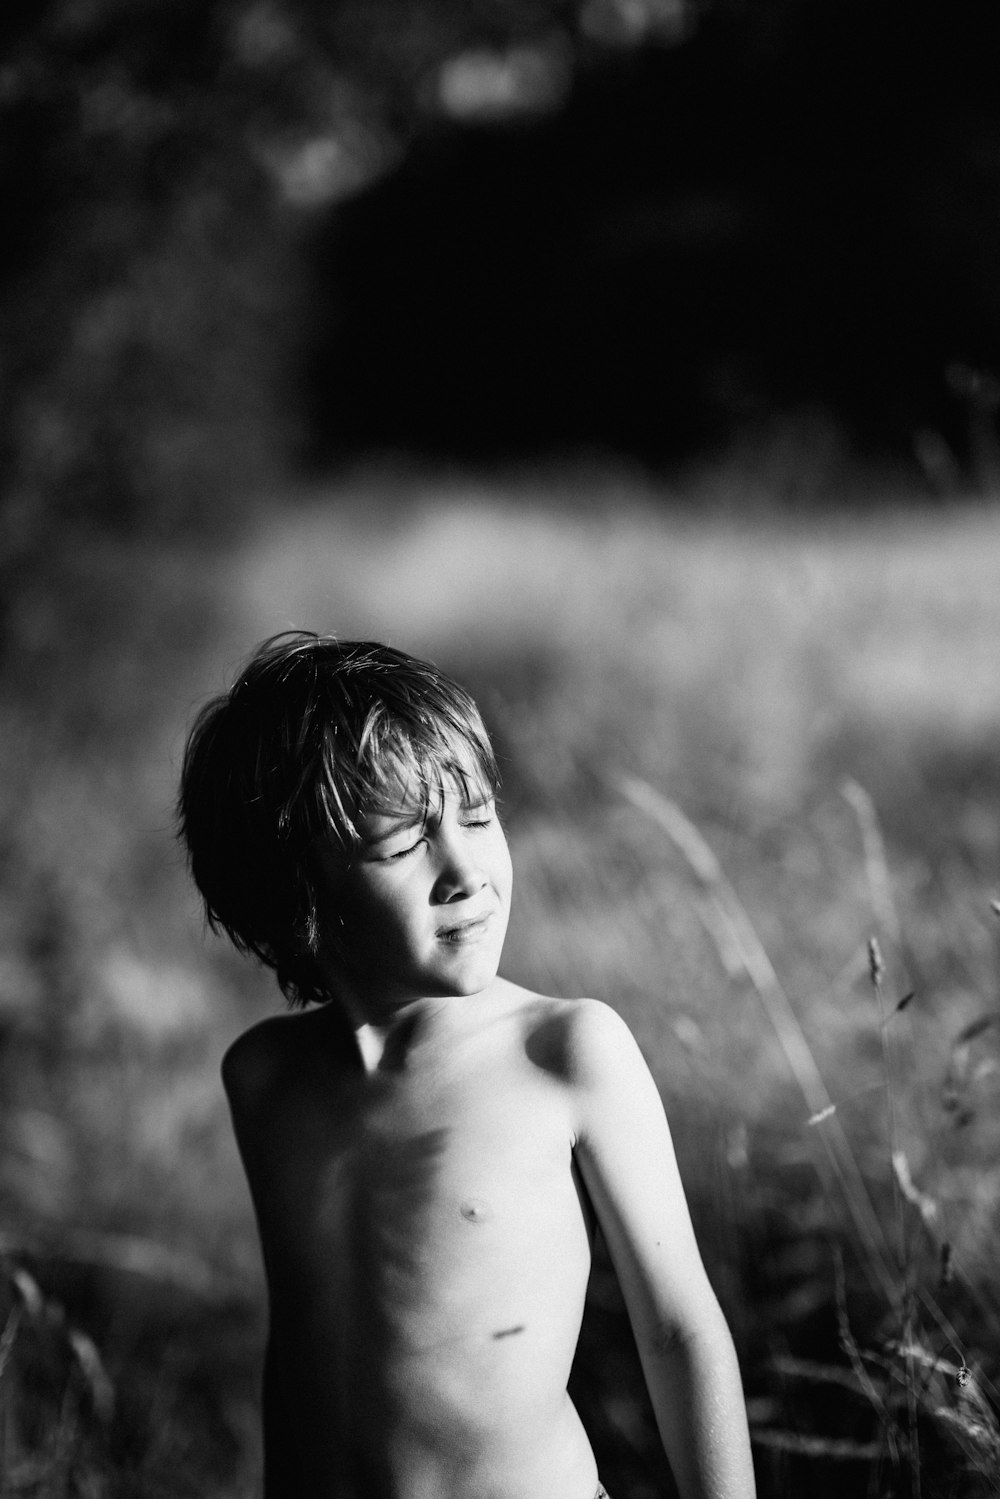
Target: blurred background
<point x="638" y="361"/>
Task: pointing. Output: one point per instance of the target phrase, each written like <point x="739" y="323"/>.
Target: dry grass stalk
<point x="133" y="1255"/>
<point x="876" y="862"/>
<point x="32" y="1305"/>
<point x="850" y="1347"/>
<point x="837" y="1449"/>
<point x="922" y="1201"/>
<point x="876" y="970"/>
<point x="9" y="1336"/>
<point x="915" y="1372"/>
<point x="814" y="1372"/>
<point x="840" y="1165"/>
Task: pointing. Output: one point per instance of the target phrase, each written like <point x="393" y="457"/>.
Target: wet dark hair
<point x="314" y="734"/>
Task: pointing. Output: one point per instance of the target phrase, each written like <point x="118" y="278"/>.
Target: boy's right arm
<point x="282" y="1479"/>
<point x="266" y="1075"/>
<point x="248" y="1078"/>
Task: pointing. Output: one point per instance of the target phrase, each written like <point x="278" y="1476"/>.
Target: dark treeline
<point x="800" y="205"/>
<point x="237" y="235"/>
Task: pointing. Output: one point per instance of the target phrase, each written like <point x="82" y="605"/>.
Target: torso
<point x="427" y="1246"/>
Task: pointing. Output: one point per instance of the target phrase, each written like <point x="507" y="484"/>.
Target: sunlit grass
<point x="816" y="699"/>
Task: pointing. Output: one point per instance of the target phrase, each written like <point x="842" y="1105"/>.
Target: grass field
<point x="734" y="751"/>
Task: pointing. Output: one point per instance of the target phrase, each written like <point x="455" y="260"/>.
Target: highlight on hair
<point x="314" y="734"/>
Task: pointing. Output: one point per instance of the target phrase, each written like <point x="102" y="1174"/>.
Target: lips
<point x="469" y="930"/>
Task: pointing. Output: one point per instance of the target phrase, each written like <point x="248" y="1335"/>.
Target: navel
<point x="475" y="1210"/>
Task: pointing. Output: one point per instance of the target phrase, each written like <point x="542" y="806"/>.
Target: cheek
<point x="355" y="909"/>
<point x="503" y="872"/>
<point x="371" y="911"/>
<point x="374" y="934"/>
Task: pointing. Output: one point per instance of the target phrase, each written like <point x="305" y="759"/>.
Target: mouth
<point x="460" y="932"/>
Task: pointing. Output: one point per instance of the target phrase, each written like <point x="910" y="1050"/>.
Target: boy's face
<point x="421" y="909"/>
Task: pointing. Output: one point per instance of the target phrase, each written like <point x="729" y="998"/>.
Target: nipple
<point x="475" y="1210"/>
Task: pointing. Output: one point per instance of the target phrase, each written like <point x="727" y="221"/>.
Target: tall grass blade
<point x="876" y="862"/>
<point x="840" y="1165"/>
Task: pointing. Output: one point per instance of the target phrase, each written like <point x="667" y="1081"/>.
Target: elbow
<point x="705" y="1339"/>
<point x="666" y="1340"/>
<point x="677" y="1346"/>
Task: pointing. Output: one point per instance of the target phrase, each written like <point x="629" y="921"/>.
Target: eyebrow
<point x="401" y="823"/>
<point x="403" y="820"/>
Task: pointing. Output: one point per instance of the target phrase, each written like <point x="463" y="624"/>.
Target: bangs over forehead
<point x="402" y="767"/>
<point x="372" y="730"/>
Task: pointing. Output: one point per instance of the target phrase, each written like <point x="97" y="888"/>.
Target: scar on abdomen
<point x="474" y="1210"/>
<point x="508" y="1332"/>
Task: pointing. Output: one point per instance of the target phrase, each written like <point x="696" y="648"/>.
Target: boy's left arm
<point x="626" y="1157"/>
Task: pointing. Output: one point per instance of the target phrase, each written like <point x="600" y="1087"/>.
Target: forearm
<point x="694" y="1383"/>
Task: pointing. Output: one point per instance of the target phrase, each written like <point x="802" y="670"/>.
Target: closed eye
<point x="479" y="814"/>
<point x="400" y="853"/>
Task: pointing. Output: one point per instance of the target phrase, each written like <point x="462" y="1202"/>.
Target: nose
<point x="460" y="869"/>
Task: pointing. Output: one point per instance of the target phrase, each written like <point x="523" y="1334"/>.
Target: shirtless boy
<point x="428" y="1146"/>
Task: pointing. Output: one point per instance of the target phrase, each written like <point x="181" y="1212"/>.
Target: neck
<point x="385" y="1042"/>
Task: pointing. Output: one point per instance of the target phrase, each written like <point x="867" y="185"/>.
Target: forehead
<point x="398" y="769"/>
<point x="407" y="804"/>
<point x="416" y="792"/>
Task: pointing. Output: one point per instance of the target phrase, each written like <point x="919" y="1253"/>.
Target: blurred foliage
<point x="241" y="232"/>
<point x="143" y="316"/>
<point x="161" y="165"/>
<point x="790" y="208"/>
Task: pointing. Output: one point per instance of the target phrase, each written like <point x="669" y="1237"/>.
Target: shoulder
<point x="591" y="1035"/>
<point x="599" y="1041"/>
<point x="283" y="1077"/>
<point x="252" y="1060"/>
<point x="279" y="1050"/>
<point x="584" y="1041"/>
<point x="613" y="1091"/>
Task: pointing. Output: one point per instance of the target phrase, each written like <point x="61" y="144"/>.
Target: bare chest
<point x="428" y="1249"/>
<point x="445" y="1195"/>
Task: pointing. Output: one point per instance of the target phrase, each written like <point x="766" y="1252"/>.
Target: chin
<point x="470" y="980"/>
